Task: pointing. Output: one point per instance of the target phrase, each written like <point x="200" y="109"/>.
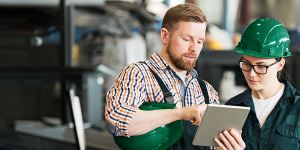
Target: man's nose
<point x="193" y="46"/>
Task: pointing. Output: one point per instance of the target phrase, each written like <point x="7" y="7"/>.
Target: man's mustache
<point x="190" y="55"/>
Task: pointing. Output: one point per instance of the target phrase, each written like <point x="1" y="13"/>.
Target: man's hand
<point x="193" y="113"/>
<point x="230" y="140"/>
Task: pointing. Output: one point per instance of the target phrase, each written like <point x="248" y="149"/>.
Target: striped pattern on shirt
<point x="136" y="85"/>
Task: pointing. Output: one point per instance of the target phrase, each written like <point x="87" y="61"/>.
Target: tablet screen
<point x="218" y="118"/>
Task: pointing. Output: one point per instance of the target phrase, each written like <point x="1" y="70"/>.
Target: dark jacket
<point x="281" y="130"/>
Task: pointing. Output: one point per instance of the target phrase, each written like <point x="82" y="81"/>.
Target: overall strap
<point x="189" y="130"/>
<point x="167" y="94"/>
<point x="204" y="90"/>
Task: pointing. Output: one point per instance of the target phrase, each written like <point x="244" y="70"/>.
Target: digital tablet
<point x="218" y="118"/>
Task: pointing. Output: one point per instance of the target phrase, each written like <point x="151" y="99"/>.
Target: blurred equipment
<point x="114" y="36"/>
<point x="24" y="36"/>
<point x="295" y="39"/>
<point x="78" y="121"/>
<point x="218" y="39"/>
<point x="228" y="87"/>
<point x="94" y="99"/>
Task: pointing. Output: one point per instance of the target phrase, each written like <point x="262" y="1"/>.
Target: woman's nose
<point x="252" y="72"/>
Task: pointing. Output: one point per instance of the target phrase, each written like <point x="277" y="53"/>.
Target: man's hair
<point x="183" y="12"/>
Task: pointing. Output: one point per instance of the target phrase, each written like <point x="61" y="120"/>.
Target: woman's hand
<point x="230" y="140"/>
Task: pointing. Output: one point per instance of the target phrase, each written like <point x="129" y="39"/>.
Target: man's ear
<point x="164" y="35"/>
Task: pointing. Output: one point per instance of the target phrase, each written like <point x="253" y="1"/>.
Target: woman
<point x="274" y="119"/>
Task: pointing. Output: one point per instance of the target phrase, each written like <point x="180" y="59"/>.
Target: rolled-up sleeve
<point x="213" y="94"/>
<point x="123" y="99"/>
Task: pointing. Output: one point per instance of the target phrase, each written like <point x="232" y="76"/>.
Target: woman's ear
<point x="164" y="35"/>
<point x="281" y="64"/>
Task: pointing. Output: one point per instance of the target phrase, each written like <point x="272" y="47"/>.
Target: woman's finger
<point x="220" y="144"/>
<point x="225" y="141"/>
<point x="231" y="140"/>
<point x="238" y="138"/>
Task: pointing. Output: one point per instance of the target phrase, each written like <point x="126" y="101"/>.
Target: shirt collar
<point x="289" y="97"/>
<point x="158" y="62"/>
<point x="244" y="99"/>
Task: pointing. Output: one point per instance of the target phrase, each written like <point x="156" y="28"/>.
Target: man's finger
<point x="197" y="120"/>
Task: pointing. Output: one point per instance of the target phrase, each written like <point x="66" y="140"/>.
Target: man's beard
<point x="179" y="61"/>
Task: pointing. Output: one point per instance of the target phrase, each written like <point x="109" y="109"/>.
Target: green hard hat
<point x="265" y="38"/>
<point x="160" y="138"/>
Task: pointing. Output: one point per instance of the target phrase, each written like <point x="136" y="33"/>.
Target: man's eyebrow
<point x="195" y="38"/>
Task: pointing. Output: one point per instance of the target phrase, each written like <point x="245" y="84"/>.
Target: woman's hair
<point x="281" y="75"/>
<point x="183" y="12"/>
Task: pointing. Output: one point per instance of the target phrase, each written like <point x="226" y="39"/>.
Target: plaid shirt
<point x="136" y="85"/>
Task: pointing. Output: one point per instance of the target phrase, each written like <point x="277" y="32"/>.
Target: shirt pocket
<point x="287" y="138"/>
